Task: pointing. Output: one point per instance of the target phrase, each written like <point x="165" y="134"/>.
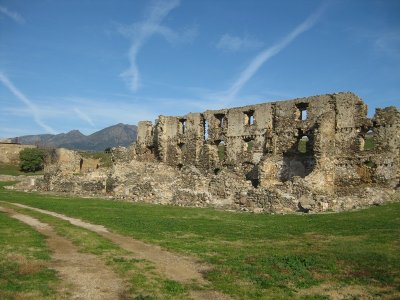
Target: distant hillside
<point x="117" y="135"/>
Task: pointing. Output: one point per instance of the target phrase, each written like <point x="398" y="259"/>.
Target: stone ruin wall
<point x="262" y="141"/>
<point x="249" y="158"/>
<point x="9" y="152"/>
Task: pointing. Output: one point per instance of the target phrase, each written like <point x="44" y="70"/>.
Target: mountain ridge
<point x="112" y="136"/>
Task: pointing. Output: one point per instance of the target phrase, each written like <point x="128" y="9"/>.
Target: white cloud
<point x="34" y="111"/>
<point x="13" y="15"/>
<point x="84" y="116"/>
<point x="234" y="43"/>
<point x="141" y="32"/>
<point x="268" y="53"/>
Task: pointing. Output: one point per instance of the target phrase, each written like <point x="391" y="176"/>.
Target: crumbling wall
<point x="297" y="155"/>
<point x="9" y="153"/>
<point x="318" y="139"/>
<point x="71" y="162"/>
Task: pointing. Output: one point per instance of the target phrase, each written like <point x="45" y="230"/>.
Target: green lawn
<point x="260" y="256"/>
<point x="23" y="259"/>
<point x="14" y="170"/>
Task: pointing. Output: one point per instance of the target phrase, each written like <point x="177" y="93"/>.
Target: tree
<point x="31" y="159"/>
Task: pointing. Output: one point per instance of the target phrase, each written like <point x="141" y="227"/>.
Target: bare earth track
<point x="174" y="266"/>
<point x="79" y="271"/>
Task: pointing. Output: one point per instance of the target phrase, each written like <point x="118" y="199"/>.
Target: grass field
<point x="14" y="170"/>
<point x="145" y="283"/>
<point x="261" y="256"/>
<point x="23" y="259"/>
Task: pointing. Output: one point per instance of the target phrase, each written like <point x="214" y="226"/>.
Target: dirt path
<point x="79" y="272"/>
<point x="174" y="266"/>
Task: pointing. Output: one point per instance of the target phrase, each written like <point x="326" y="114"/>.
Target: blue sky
<point x="80" y="64"/>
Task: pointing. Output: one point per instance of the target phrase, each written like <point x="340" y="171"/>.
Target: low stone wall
<point x="9" y="153"/>
<point x="23" y="182"/>
<point x="160" y="183"/>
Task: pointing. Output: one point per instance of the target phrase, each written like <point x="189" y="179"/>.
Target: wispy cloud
<point x="13" y="15"/>
<point x="29" y="104"/>
<point x="84" y="116"/>
<point x="268" y="53"/>
<point x="233" y="43"/>
<point x="388" y="44"/>
<point x="382" y="41"/>
<point x="141" y="32"/>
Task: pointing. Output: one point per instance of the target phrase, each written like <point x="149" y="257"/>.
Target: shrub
<point x="31" y="159"/>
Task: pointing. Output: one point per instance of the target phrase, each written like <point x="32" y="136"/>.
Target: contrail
<point x="13" y="15"/>
<point x="84" y="116"/>
<point x="141" y="33"/>
<point x="33" y="109"/>
<point x="265" y="55"/>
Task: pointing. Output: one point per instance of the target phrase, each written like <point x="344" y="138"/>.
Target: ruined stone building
<point x="302" y="154"/>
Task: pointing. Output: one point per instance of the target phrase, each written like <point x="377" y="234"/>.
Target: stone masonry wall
<point x="297" y="155"/>
<point x="9" y="153"/>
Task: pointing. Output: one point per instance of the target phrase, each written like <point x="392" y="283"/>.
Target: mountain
<point x="116" y="135"/>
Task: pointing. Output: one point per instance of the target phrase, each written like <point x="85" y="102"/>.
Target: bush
<point x="31" y="160"/>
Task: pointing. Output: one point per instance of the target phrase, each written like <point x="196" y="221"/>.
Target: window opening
<point x="205" y="125"/>
<point x="251" y="120"/>
<point x="369" y="140"/>
<point x="183" y="125"/>
<point x="249" y="117"/>
<point x="302" y="111"/>
<point x="249" y="144"/>
<point x="221" y="149"/>
<point x="221" y="119"/>
<point x="304" y="115"/>
<point x="302" y="146"/>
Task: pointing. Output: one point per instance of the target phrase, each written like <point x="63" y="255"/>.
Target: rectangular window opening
<point x="183" y="125"/>
<point x="302" y="111"/>
<point x="304" y="115"/>
<point x="249" y="117"/>
<point x="221" y="119"/>
<point x="205" y="126"/>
